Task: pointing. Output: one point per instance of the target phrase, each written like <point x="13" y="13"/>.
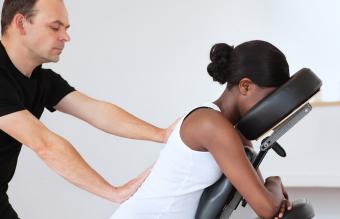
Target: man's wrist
<point x="161" y="135"/>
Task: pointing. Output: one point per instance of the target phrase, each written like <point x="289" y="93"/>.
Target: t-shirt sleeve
<point x="57" y="89"/>
<point x="9" y="97"/>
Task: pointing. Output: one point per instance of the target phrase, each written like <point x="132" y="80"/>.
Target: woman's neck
<point x="228" y="106"/>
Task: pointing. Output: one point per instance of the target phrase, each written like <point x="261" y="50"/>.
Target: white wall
<point x="150" y="57"/>
<point x="312" y="151"/>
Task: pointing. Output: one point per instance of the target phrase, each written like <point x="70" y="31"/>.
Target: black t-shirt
<point x="43" y="89"/>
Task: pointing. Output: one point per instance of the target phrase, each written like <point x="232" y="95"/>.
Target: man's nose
<point x="65" y="37"/>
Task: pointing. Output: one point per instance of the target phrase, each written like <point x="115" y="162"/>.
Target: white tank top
<point x="175" y="184"/>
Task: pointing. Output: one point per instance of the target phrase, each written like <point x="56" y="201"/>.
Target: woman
<point x="205" y="144"/>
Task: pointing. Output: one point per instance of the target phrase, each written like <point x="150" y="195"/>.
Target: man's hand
<point x="125" y="191"/>
<point x="169" y="130"/>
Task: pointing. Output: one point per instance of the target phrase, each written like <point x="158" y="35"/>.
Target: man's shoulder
<point x="3" y="68"/>
<point x="47" y="71"/>
<point x="5" y="76"/>
<point x="48" y="74"/>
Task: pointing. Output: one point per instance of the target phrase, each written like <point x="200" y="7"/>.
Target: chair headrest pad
<point x="275" y="107"/>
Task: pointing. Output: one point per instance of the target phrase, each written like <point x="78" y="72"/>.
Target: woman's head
<point x="253" y="69"/>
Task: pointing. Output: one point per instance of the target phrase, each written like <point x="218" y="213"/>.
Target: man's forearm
<point x="111" y="118"/>
<point x="115" y="120"/>
<point x="61" y="157"/>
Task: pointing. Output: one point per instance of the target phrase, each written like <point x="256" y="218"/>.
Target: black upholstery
<point x="216" y="196"/>
<point x="261" y="118"/>
<point x="301" y="209"/>
<point x="276" y="106"/>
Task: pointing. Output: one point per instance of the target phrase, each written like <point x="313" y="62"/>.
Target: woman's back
<point x="176" y="183"/>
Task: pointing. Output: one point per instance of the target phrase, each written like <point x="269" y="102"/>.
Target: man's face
<point x="45" y="36"/>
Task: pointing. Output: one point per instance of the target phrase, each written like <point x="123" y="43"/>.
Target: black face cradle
<point x="279" y="104"/>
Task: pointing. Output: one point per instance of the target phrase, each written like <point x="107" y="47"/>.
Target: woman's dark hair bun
<point x="220" y="55"/>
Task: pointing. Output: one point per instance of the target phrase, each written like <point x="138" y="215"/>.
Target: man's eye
<point x="55" y="28"/>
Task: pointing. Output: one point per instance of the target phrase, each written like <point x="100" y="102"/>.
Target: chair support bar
<point x="281" y="129"/>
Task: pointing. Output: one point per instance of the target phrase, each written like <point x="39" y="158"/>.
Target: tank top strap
<point x="211" y="105"/>
<point x="206" y="105"/>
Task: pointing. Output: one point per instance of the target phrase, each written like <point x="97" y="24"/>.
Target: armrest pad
<point x="302" y="209"/>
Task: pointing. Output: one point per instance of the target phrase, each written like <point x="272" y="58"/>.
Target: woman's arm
<point x="207" y="129"/>
<point x="286" y="205"/>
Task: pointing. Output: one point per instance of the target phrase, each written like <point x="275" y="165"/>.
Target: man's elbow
<point x="43" y="146"/>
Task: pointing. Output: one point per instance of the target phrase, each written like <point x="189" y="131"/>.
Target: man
<point x="35" y="32"/>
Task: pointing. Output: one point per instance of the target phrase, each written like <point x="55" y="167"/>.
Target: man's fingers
<point x="132" y="186"/>
<point x="141" y="178"/>
<point x="170" y="129"/>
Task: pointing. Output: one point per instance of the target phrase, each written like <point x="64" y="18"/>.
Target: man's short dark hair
<point x="11" y="7"/>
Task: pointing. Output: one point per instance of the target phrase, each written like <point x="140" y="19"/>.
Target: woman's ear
<point x="245" y="85"/>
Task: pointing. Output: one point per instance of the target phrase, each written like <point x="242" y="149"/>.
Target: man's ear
<point x="245" y="85"/>
<point x="19" y="23"/>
